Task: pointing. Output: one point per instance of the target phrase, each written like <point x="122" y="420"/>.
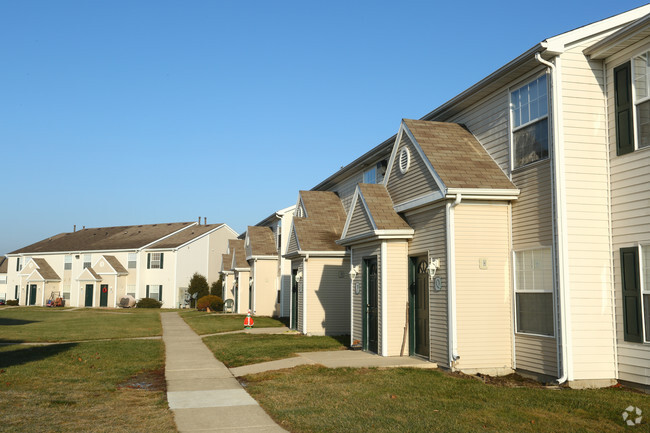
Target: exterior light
<point x="299" y="276"/>
<point x="354" y="271"/>
<point x="434" y="264"/>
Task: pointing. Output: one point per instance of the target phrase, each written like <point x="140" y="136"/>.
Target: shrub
<point x="148" y="303"/>
<point x="13" y="302"/>
<point x="214" y="302"/>
<point x="215" y="287"/>
<point x="198" y="284"/>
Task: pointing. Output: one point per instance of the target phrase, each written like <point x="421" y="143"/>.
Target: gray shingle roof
<point x="380" y="207"/>
<point x="262" y="241"/>
<point x="324" y="223"/>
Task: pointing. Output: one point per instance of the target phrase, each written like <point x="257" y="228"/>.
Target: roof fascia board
<point x="107" y="262"/>
<point x="377" y="235"/>
<point x="418" y="201"/>
<point x="599" y="50"/>
<point x="483" y="191"/>
<point x="209" y="232"/>
<point x="322" y="253"/>
<point x="393" y="154"/>
<point x="171" y="234"/>
<point x="348" y="219"/>
<point x="253" y="257"/>
<point x="72" y="252"/>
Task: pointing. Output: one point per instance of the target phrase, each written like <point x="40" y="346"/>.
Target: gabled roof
<point x="89" y="274"/>
<point x="238" y="252"/>
<point x="617" y="41"/>
<point x="372" y="215"/>
<point x="46" y="270"/>
<point x="104" y="238"/>
<point x="324" y="224"/>
<point x="115" y="264"/>
<point x="276" y="215"/>
<point x="226" y="262"/>
<point x="185" y="236"/>
<point x="4" y="264"/>
<point x="261" y="241"/>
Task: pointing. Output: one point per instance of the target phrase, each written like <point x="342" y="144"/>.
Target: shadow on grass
<point x="15" y="322"/>
<point x="343" y="339"/>
<point x="31" y="354"/>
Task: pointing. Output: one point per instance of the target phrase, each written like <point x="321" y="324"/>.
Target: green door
<point x="419" y="307"/>
<point x="89" y="295"/>
<point x="103" y="295"/>
<point x="371" y="302"/>
<point x="294" y="299"/>
<point x="32" y="294"/>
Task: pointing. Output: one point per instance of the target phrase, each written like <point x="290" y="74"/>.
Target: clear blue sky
<point x="137" y="112"/>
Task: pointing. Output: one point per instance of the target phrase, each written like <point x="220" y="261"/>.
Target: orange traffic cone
<point x="248" y="321"/>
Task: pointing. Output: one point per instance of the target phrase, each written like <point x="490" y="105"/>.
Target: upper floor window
<point x="154" y="260"/>
<point x="133" y="260"/>
<point x="87" y="260"/>
<point x="67" y="262"/>
<point x="370" y="176"/>
<point x="19" y="263"/>
<point x="529" y="106"/>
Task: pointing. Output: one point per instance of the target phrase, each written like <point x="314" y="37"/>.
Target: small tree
<point x="216" y="287"/>
<point x="198" y="284"/>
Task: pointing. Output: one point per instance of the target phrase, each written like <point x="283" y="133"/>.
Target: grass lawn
<point x="211" y="323"/>
<point x="317" y="399"/>
<point x="236" y="350"/>
<point x="38" y="324"/>
<point x="75" y="387"/>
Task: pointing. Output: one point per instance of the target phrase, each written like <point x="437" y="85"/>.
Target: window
<point x="529" y="106"/>
<point x="3" y="279"/>
<point x="133" y="260"/>
<point x="154" y="260"/>
<point x="66" y="292"/>
<point x="635" y="273"/>
<point x="130" y="290"/>
<point x="534" y="291"/>
<point x="632" y="104"/>
<point x="16" y="292"/>
<point x="87" y="260"/>
<point x="19" y="264"/>
<point x="154" y="292"/>
<point x="67" y="262"/>
<point x="370" y="176"/>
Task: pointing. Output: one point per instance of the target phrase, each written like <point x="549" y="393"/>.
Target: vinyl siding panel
<point x="357" y="255"/>
<point x="589" y="254"/>
<point x="396" y="277"/>
<point x="328" y="296"/>
<point x="417" y="181"/>
<point x="630" y="214"/>
<point x="430" y="236"/>
<point x="536" y="354"/>
<point x="532" y="217"/>
<point x="360" y="222"/>
<point x="483" y="300"/>
<point x="298" y="264"/>
<point x="265" y="282"/>
<point x="345" y="188"/>
<point x="243" y="289"/>
<point x="293" y="243"/>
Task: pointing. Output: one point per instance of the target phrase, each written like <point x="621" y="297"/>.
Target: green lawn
<point x="236" y="350"/>
<point x="212" y="323"/>
<point x="317" y="399"/>
<point x="74" y="387"/>
<point x="38" y="324"/>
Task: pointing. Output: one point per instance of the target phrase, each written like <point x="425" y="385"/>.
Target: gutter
<point x="560" y="221"/>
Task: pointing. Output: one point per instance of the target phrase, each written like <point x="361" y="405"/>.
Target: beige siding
<point x="328" y="296"/>
<point x="360" y="223"/>
<point x="357" y="255"/>
<point x="293" y="243"/>
<point x="630" y="201"/>
<point x="587" y="213"/>
<point x="265" y="281"/>
<point x="396" y="277"/>
<point x="532" y="212"/>
<point x="298" y="264"/>
<point x="417" y="181"/>
<point x="243" y="287"/>
<point x="430" y="236"/>
<point x="483" y="301"/>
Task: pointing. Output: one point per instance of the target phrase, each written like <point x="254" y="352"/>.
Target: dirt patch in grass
<point x="150" y="380"/>
<point x="513" y="380"/>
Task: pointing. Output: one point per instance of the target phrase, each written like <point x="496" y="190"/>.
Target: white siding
<point x="328" y="296"/>
<point x="630" y="204"/>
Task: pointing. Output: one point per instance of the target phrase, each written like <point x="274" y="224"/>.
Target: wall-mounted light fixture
<point x="299" y="276"/>
<point x="354" y="271"/>
<point x="433" y="266"/>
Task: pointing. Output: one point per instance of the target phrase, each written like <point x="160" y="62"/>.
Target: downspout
<point x="352" y="298"/>
<point x="304" y="294"/>
<point x="253" y="304"/>
<point x="558" y="177"/>
<point x="451" y="281"/>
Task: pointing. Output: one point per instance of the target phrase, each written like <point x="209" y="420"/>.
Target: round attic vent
<point x="404" y="160"/>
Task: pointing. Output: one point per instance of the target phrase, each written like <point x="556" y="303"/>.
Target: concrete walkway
<point x="335" y="359"/>
<point x="201" y="391"/>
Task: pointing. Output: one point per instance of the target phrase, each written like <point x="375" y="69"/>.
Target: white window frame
<point x="530" y="122"/>
<point x="3" y="279"/>
<point x="130" y="290"/>
<point x="20" y="264"/>
<point x="66" y="291"/>
<point x="636" y="103"/>
<point x="88" y="259"/>
<point x="67" y="262"/>
<point x="367" y="173"/>
<point x="157" y="286"/>
<point x="154" y="258"/>
<point x="518" y="290"/>
<point x="132" y="258"/>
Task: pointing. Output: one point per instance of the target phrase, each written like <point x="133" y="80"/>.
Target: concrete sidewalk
<point x="201" y="391"/>
<point x="335" y="359"/>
